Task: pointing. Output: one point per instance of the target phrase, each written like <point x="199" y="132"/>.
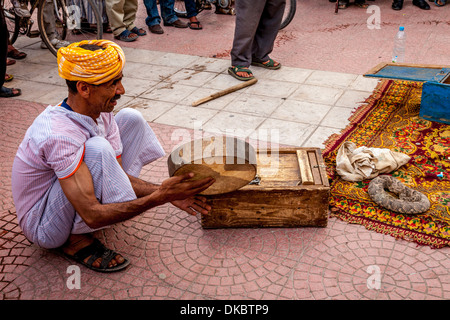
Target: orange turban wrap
<point x="94" y="67"/>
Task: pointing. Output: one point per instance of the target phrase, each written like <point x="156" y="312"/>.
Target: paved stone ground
<point x="172" y="257"/>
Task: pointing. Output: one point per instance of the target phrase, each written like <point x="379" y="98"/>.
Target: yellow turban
<point x="94" y="67"/>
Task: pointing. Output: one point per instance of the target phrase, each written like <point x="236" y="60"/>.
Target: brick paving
<point x="172" y="257"/>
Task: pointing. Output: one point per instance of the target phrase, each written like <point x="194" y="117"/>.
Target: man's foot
<point x="177" y="24"/>
<point x="156" y="29"/>
<point x="15" y="54"/>
<point x="421" y="4"/>
<point x="139" y="31"/>
<point x="94" y="255"/>
<point x="9" y="92"/>
<point x="126" y="36"/>
<point x="56" y="43"/>
<point x="8" y="77"/>
<point x="269" y="64"/>
<point x="241" y="73"/>
<point x="194" y="24"/>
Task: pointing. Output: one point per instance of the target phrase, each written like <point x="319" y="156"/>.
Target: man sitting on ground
<point x="77" y="169"/>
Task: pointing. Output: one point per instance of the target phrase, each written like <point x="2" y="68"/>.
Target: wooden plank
<point x="409" y="72"/>
<point x="304" y="167"/>
<point x="315" y="169"/>
<point x="225" y="92"/>
<point x="323" y="168"/>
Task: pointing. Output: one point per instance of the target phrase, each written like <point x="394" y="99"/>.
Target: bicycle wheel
<point x="69" y="22"/>
<point x="12" y="21"/>
<point x="289" y="12"/>
<point x="180" y="8"/>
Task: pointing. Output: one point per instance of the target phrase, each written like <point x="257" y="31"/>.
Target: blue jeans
<point x="191" y="10"/>
<point x="167" y="13"/>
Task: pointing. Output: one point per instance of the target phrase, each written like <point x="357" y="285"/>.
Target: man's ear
<point x="84" y="89"/>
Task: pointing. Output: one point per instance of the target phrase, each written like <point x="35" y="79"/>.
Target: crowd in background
<point x="119" y="18"/>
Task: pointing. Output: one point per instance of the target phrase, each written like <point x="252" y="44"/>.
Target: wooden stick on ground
<point x="224" y="92"/>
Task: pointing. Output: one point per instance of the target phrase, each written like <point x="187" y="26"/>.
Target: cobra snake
<point x="409" y="201"/>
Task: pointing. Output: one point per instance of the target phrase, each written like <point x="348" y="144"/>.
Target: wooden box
<point x="291" y="190"/>
<point x="435" y="101"/>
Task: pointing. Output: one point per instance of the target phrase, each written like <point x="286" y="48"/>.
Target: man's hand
<point x="193" y="205"/>
<point x="180" y="188"/>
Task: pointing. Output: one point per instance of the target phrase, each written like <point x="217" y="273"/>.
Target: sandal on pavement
<point x="361" y="4"/>
<point x="9" y="92"/>
<point x="177" y="24"/>
<point x="343" y="4"/>
<point x="195" y="25"/>
<point x="8" y="77"/>
<point x="127" y="36"/>
<point x="10" y="62"/>
<point x="139" y="31"/>
<point x="16" y="54"/>
<point x="440" y="3"/>
<point x="97" y="250"/>
<point x="269" y="64"/>
<point x="234" y="70"/>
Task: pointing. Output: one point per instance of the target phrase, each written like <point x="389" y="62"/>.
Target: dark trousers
<point x="4" y="36"/>
<point x="257" y="25"/>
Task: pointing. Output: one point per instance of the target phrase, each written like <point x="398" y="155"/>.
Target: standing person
<point x="4" y="40"/>
<point x="77" y="169"/>
<point x="257" y="25"/>
<point x="168" y="15"/>
<point x="88" y="15"/>
<point x="122" y="15"/>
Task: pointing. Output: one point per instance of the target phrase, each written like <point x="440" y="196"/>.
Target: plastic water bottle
<point x="398" y="53"/>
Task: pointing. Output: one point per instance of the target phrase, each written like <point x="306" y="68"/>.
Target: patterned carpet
<point x="390" y="119"/>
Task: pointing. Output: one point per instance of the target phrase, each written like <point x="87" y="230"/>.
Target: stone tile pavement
<point x="172" y="257"/>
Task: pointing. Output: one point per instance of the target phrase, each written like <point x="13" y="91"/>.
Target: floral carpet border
<point x="421" y="230"/>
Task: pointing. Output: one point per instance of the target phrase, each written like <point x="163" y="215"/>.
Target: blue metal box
<point x="435" y="101"/>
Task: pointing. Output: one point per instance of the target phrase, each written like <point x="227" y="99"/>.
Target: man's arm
<point x="190" y="205"/>
<point x="79" y="190"/>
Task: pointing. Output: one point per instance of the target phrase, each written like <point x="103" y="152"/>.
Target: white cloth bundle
<point x="357" y="164"/>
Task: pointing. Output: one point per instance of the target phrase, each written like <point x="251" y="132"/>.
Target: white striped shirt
<point x="53" y="148"/>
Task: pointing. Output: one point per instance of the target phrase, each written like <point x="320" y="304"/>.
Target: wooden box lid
<point x="290" y="169"/>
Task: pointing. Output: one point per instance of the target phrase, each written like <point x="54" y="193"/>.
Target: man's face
<point x="104" y="96"/>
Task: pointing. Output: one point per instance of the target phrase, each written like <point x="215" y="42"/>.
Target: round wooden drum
<point x="229" y="160"/>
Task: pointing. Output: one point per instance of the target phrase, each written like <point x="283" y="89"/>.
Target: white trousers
<point x="53" y="218"/>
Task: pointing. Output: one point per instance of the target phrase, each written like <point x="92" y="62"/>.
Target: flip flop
<point x="195" y="23"/>
<point x="234" y="70"/>
<point x="269" y="64"/>
<point x="139" y="31"/>
<point x="97" y="250"/>
<point x="10" y="62"/>
<point x="16" y="54"/>
<point x="8" y="77"/>
<point x="9" y="92"/>
<point x="436" y="2"/>
<point x="127" y="36"/>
